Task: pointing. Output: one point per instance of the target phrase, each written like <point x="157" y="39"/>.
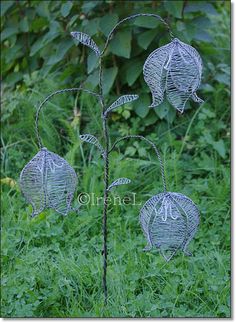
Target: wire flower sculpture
<point x="169" y="220"/>
<point x="48" y="181"/>
<point x="174" y="69"/>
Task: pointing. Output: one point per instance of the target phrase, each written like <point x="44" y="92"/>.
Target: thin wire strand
<point x="47" y="99"/>
<point x="156" y="151"/>
<point x="133" y="17"/>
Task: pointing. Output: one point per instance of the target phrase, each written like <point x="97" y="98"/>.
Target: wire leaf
<point x="48" y="181"/>
<point x="92" y="140"/>
<point x="119" y="181"/>
<point x="169" y="222"/>
<point x="174" y="69"/>
<point x="86" y="40"/>
<point x="122" y="100"/>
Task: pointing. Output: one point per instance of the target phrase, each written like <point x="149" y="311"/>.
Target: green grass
<point x="52" y="266"/>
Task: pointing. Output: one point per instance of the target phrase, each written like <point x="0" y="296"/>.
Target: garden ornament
<point x="169" y="220"/>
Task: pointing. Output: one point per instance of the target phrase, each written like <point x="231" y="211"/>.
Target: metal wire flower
<point x="174" y="69"/>
<point x="48" y="181"/>
<point x="169" y="222"/>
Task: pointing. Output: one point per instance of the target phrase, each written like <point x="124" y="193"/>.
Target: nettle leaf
<point x="174" y="69"/>
<point x="119" y="181"/>
<point x="48" y="181"/>
<point x="169" y="222"/>
<point x="141" y="106"/>
<point x="109" y="76"/>
<point x="66" y="8"/>
<point x="92" y="62"/>
<point x="121" y="43"/>
<point x="174" y="8"/>
<point x="132" y="71"/>
<point x="122" y="100"/>
<point x="92" y="140"/>
<point x="107" y="22"/>
<point x="86" y="40"/>
<point x="145" y="38"/>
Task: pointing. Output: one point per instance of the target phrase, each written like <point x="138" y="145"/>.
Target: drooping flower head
<point x="169" y="221"/>
<point x="48" y="181"/>
<point x="175" y="70"/>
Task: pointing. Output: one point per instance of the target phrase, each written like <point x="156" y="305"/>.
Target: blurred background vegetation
<point x="51" y="264"/>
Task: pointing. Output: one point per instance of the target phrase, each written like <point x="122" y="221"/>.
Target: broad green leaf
<point x="5" y="5"/>
<point x="66" y="8"/>
<point x="92" y="62"/>
<point x="145" y="39"/>
<point x="133" y="71"/>
<point x="60" y="52"/>
<point x="109" y="78"/>
<point x="24" y="25"/>
<point x="203" y="35"/>
<point x="91" y="26"/>
<point x="89" y="6"/>
<point x="43" y="10"/>
<point x="13" y="53"/>
<point x="174" y="8"/>
<point x="40" y="43"/>
<point x="147" y="22"/>
<point x="202" y="6"/>
<point x="223" y="78"/>
<point x="8" y="32"/>
<point x="141" y="106"/>
<point x="219" y="146"/>
<point x="107" y="22"/>
<point x="13" y="78"/>
<point x="151" y="118"/>
<point x="121" y="43"/>
<point x="162" y="109"/>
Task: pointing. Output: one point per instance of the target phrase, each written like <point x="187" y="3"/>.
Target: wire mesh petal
<point x="169" y="222"/>
<point x="155" y="73"/>
<point x="48" y="181"/>
<point x="183" y="74"/>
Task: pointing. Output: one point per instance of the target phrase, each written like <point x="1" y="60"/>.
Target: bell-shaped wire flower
<point x="48" y="181"/>
<point x="174" y="69"/>
<point x="169" y="222"/>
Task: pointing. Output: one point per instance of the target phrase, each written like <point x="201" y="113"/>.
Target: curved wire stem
<point x="48" y="98"/>
<point x="107" y="145"/>
<point x="153" y="146"/>
<point x="133" y="17"/>
<point x="106" y="181"/>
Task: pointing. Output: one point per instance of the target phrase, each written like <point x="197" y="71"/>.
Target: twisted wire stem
<point x="107" y="150"/>
<point x="133" y="17"/>
<point x="76" y="89"/>
<point x="154" y="147"/>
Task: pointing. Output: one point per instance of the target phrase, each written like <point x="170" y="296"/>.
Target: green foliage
<point x="51" y="265"/>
